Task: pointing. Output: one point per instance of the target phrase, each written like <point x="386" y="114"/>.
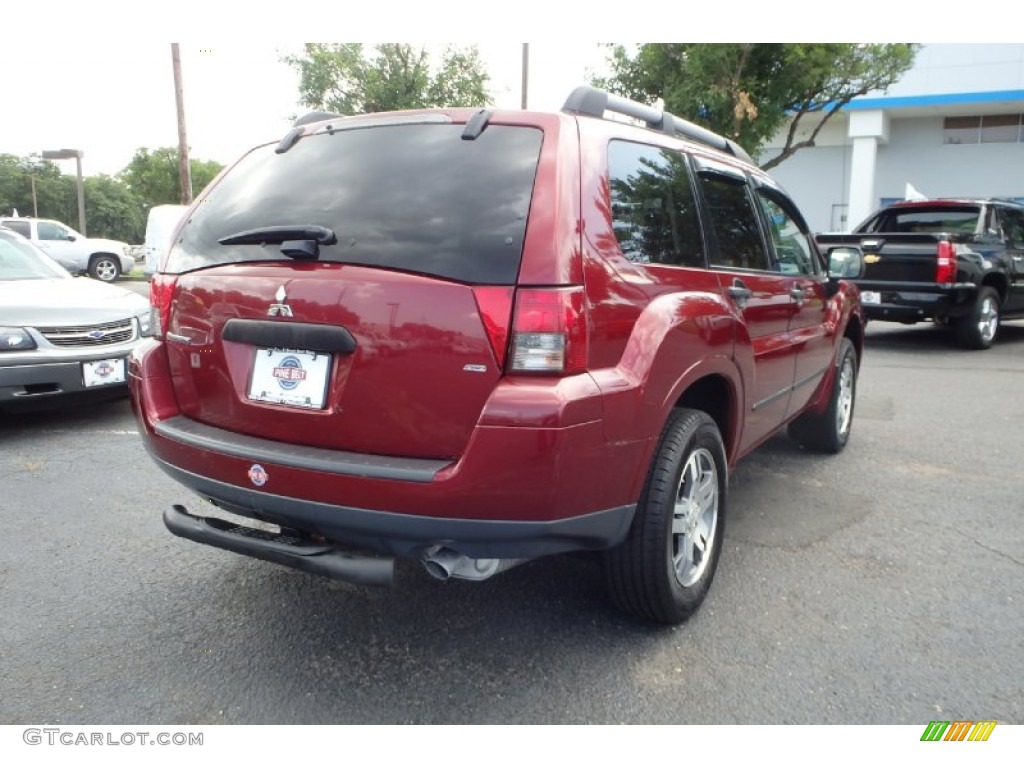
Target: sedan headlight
<point x="145" y="322"/>
<point x="15" y="339"/>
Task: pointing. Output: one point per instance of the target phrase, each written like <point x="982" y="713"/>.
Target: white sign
<point x="97" y="373"/>
<point x="290" y="377"/>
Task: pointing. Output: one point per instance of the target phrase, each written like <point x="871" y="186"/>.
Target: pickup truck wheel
<point x="977" y="329"/>
<point x="105" y="268"/>
<point x="829" y="432"/>
<point x="664" y="568"/>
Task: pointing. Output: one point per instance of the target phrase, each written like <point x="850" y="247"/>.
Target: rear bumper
<point x="402" y="535"/>
<point x="913" y="302"/>
<point x="519" y="490"/>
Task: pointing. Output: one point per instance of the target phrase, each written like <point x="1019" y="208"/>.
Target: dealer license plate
<point x="290" y="377"/>
<point x="97" y="373"/>
<point x="870" y="297"/>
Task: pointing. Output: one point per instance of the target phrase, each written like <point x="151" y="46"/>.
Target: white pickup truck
<point x="102" y="259"/>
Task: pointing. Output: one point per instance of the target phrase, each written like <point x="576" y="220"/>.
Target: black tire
<point x="105" y="268"/>
<point x="658" y="574"/>
<point x="829" y="432"/>
<point x="978" y="328"/>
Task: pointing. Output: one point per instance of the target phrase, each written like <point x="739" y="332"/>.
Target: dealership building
<point x="952" y="126"/>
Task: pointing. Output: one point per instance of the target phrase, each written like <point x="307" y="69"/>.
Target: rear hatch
<point x="385" y="332"/>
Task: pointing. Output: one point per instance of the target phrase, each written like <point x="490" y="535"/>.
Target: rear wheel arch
<point x="997" y="282"/>
<point x="715" y="395"/>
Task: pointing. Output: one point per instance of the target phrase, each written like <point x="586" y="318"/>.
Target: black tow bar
<point x="280" y="548"/>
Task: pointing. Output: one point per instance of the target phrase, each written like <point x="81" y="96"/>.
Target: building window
<point x="983" y="129"/>
<point x="1004" y="129"/>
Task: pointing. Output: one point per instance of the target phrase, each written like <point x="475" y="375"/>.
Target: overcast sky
<point x="110" y="100"/>
<point x="97" y="76"/>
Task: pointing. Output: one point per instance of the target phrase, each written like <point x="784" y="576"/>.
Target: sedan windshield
<point x="20" y="260"/>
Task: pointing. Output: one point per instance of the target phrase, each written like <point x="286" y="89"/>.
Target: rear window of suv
<point x="944" y="218"/>
<point x="413" y="197"/>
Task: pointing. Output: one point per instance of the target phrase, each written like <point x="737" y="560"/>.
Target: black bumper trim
<point x="404" y="535"/>
<point x="920" y="304"/>
<point x="184" y="430"/>
<point x="301" y="554"/>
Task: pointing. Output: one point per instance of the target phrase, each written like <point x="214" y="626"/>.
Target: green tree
<point x="153" y="176"/>
<point x="344" y="78"/>
<point x="113" y="210"/>
<point x="53" y="190"/>
<point x="748" y="91"/>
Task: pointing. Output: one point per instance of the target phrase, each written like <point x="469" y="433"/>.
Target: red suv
<point x="474" y="338"/>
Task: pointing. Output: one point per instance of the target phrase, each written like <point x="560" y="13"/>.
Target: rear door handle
<point x="740" y="293"/>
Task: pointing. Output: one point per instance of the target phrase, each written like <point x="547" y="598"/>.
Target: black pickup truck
<point x="956" y="262"/>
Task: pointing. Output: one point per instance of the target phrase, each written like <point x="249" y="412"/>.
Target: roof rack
<point x="587" y="100"/>
<point x="314" y="117"/>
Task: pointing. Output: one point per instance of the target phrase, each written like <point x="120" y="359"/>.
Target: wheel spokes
<point x="844" y="410"/>
<point x="694" y="517"/>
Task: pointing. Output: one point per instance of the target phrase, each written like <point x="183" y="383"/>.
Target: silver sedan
<point x="60" y="335"/>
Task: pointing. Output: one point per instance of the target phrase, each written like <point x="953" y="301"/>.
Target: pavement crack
<point x="993" y="550"/>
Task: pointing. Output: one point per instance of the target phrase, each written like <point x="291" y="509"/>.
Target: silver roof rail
<point x="587" y="100"/>
<point x="314" y="117"/>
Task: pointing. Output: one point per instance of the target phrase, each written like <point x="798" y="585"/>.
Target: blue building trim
<point x="934" y="100"/>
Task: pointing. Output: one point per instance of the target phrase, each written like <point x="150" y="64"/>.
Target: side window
<point x="654" y="213"/>
<point x="1013" y="226"/>
<point x="50" y="231"/>
<point x="21" y="227"/>
<point x="794" y="254"/>
<point x="734" y="223"/>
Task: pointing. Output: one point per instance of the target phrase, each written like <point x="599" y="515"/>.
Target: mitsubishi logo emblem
<point x="281" y="308"/>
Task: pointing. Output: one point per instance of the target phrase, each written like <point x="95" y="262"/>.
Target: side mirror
<point x="71" y="238"/>
<point x="845" y="263"/>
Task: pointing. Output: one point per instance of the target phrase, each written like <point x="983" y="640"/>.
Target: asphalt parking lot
<point x="883" y="585"/>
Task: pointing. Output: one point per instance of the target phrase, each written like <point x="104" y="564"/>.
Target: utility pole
<point x="526" y="72"/>
<point x="184" y="169"/>
<point x="67" y="154"/>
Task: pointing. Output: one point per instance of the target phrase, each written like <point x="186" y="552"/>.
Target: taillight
<point x="945" y="263"/>
<point x="161" y="292"/>
<point x="549" y="332"/>
<point x="495" y="307"/>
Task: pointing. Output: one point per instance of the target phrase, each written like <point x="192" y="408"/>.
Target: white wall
<point x="962" y="68"/>
<point x="915" y="154"/>
<point x="818" y="178"/>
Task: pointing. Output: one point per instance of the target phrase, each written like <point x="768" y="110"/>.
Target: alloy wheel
<point x="695" y="517"/>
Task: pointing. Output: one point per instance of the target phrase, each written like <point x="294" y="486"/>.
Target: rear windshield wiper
<point x="297" y="241"/>
<point x="262" y="235"/>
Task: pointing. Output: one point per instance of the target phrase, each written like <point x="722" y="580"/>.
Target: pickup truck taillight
<point x="945" y="263"/>
<point x="161" y="292"/>
<point x="549" y="331"/>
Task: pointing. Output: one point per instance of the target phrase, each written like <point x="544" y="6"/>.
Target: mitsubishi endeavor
<point x="471" y="338"/>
